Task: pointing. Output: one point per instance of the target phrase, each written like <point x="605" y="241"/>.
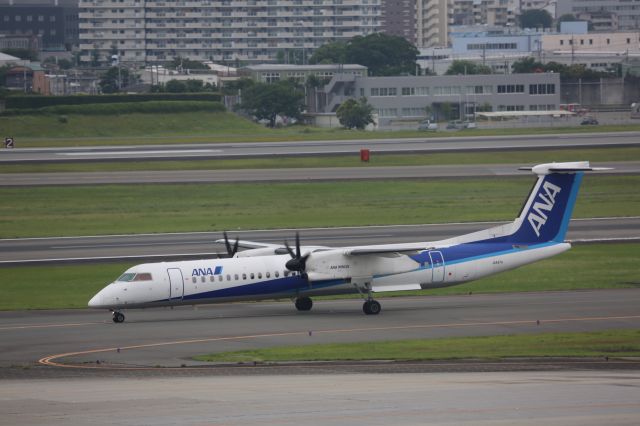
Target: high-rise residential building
<point x="432" y="23"/>
<point x="627" y="12"/>
<point x="39" y="24"/>
<point x="398" y="17"/>
<point x="229" y="31"/>
<point x="501" y="13"/>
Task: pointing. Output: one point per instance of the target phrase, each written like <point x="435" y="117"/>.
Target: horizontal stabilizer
<point x="568" y="167"/>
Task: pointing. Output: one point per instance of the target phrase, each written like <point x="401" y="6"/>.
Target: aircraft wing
<point x="386" y="249"/>
<point x="274" y="248"/>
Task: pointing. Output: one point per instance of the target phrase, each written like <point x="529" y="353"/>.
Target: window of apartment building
<point x="387" y="112"/>
<point x="413" y="112"/>
<point x="511" y="88"/>
<point x="270" y="77"/>
<point x="384" y="91"/>
<point x="561" y="42"/>
<point x="542" y="89"/>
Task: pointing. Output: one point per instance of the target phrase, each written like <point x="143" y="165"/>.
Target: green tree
<point x="186" y="64"/>
<point x="463" y="67"/>
<point x="381" y="53"/>
<point x="175" y="86"/>
<point x="268" y="101"/>
<point x="331" y="53"/>
<point x="114" y="80"/>
<point x="354" y="114"/>
<point x="526" y="65"/>
<point x="535" y="18"/>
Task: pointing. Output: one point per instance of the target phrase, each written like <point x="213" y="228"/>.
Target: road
<point x="310" y="148"/>
<point x="201" y="244"/>
<point x="284" y="175"/>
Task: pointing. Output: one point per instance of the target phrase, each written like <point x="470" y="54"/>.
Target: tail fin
<point x="546" y="214"/>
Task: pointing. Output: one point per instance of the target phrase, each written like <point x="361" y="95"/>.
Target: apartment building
<point x="432" y="23"/>
<point x="627" y="12"/>
<point x="251" y="31"/>
<point x="502" y="13"/>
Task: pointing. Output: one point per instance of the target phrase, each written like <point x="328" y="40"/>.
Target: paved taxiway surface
<point x="284" y="175"/>
<point x="166" y="337"/>
<point x="195" y="244"/>
<point x="280" y="149"/>
<point x="569" y="398"/>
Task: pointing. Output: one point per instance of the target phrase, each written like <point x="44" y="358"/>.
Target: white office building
<point x="221" y="31"/>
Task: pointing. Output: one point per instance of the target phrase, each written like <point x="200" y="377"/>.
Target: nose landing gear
<point x="118" y="317"/>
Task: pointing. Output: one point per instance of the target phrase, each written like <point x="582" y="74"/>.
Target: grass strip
<point x="612" y="343"/>
<point x="517" y="158"/>
<point x="594" y="266"/>
<point x="201" y="127"/>
<point x="118" y="209"/>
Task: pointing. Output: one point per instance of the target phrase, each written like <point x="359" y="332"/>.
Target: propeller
<point x="231" y="251"/>
<point x="298" y="262"/>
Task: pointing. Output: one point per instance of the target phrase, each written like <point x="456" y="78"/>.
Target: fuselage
<point x="266" y="277"/>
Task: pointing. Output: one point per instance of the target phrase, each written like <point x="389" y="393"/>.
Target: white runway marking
<point x="166" y="151"/>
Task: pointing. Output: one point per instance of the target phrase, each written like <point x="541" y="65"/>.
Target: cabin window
<point x="203" y="278"/>
<point x="194" y="279"/>
<point x="286" y="273"/>
<point x="268" y="275"/>
<point x="253" y="277"/>
<point x="259" y="275"/>
<point x="220" y="278"/>
<point x="212" y="278"/>
<point x="277" y="274"/>
<point x="228" y="277"/>
<point x="244" y="276"/>
<point x="236" y="276"/>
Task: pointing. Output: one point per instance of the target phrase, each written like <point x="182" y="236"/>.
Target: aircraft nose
<point x="96" y="301"/>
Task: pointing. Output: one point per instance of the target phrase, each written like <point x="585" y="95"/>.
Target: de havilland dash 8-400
<point x="272" y="271"/>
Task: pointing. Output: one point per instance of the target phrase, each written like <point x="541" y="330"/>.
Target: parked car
<point x="428" y="125"/>
<point x="589" y="121"/>
<point x="455" y="124"/>
<point x="470" y="125"/>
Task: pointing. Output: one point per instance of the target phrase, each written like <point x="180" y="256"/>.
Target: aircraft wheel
<point x="118" y="317"/>
<point x="371" y="307"/>
<point x="304" y="303"/>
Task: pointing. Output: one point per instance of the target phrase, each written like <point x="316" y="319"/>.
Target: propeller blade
<point x="231" y="251"/>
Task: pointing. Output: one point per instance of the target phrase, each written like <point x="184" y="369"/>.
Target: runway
<point x="284" y="175"/>
<point x="310" y="148"/>
<point x="201" y="244"/>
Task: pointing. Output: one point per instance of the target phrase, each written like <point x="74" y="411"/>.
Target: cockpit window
<point x="143" y="276"/>
<point x="127" y="277"/>
<point x="130" y="276"/>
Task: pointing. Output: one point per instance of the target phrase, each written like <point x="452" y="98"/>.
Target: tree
<point x="354" y="114"/>
<point x="268" y="101"/>
<point x="463" y="67"/>
<point x="114" y="80"/>
<point x="535" y="18"/>
<point x="175" y="86"/>
<point x="526" y="65"/>
<point x="381" y="53"/>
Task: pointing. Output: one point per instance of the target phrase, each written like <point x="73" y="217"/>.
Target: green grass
<point x="377" y="160"/>
<point x="55" y="287"/>
<point x="614" y="343"/>
<point x="199" y="127"/>
<point x="118" y="209"/>
<point x="596" y="266"/>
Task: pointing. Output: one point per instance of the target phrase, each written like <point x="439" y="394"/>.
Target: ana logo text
<point x="537" y="218"/>
<point x="197" y="272"/>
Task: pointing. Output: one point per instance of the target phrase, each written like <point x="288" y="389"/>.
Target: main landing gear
<point x="370" y="306"/>
<point x="304" y="303"/>
<point x="118" y="317"/>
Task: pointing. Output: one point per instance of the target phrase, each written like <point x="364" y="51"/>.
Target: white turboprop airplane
<point x="272" y="271"/>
